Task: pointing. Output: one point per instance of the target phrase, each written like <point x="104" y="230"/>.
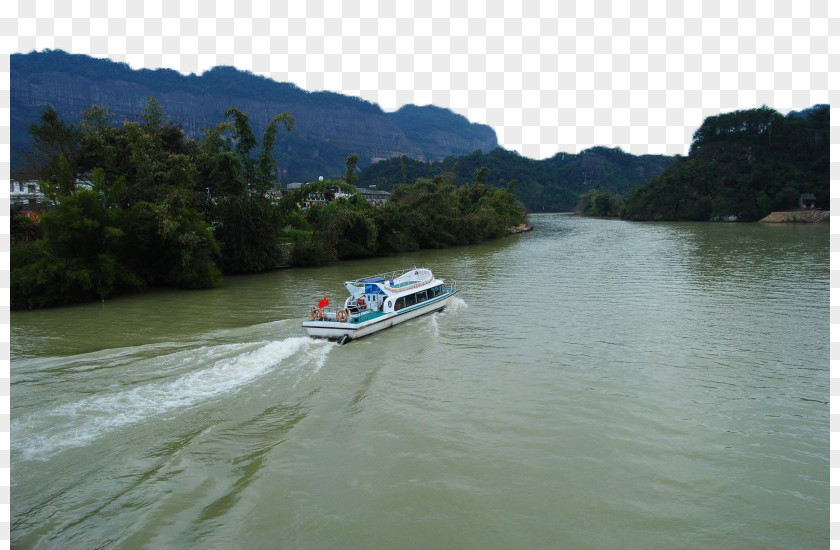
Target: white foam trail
<point x="76" y="424"/>
<point x="456" y="304"/>
<point x="435" y="325"/>
<point x="321" y="356"/>
<point x="87" y="370"/>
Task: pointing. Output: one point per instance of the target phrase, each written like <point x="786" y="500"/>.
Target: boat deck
<point x="366" y="316"/>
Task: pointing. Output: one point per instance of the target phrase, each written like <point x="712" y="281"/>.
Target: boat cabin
<point x="390" y="292"/>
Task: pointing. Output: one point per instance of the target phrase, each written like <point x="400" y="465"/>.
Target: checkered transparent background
<point x="548" y="78"/>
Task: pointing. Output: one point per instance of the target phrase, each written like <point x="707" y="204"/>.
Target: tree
<point x="248" y="224"/>
<point x="480" y="175"/>
<point x="350" y="175"/>
<point x="152" y="116"/>
<point x="53" y="140"/>
<point x="268" y="165"/>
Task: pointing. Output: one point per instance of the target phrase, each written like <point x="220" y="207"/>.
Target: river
<point x="595" y="384"/>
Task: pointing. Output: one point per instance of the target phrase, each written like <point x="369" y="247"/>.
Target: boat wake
<point x="434" y="324"/>
<point x="214" y="372"/>
<point x="457" y="304"/>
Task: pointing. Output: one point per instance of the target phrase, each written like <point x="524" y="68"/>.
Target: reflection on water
<point x="596" y="383"/>
<point x="768" y="253"/>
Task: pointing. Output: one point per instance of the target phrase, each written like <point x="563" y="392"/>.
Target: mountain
<point x="328" y="126"/>
<point x="745" y="164"/>
<point x="438" y="133"/>
<point x="552" y="184"/>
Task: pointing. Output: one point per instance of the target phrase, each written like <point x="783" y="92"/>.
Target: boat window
<point x="399" y="304"/>
<point x="410" y="300"/>
<point x="421" y="296"/>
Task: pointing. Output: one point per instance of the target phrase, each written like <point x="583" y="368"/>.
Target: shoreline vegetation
<point x="549" y="185"/>
<point x="138" y="205"/>
<point x="741" y="167"/>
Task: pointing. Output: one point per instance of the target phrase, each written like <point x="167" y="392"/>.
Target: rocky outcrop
<point x="516" y="229"/>
<point x="797" y="216"/>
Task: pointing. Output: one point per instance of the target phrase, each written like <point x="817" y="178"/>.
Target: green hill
<point x="552" y="184"/>
<point x="746" y="164"/>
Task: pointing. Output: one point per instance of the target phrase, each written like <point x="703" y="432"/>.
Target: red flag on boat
<point x="325" y="302"/>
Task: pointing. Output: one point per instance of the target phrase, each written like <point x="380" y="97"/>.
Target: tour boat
<point x="378" y="302"/>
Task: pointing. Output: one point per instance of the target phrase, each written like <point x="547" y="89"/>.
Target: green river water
<point x="595" y="384"/>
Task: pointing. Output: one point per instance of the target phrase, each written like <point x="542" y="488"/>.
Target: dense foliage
<point x="137" y="222"/>
<point x="745" y="163"/>
<point x="553" y="184"/>
<point x="601" y="204"/>
<point x="157" y="208"/>
<point x="430" y="213"/>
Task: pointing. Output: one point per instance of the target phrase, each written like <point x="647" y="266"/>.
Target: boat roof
<point x="393" y="275"/>
<point x="395" y="281"/>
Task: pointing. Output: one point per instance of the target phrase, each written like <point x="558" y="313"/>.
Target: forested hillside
<point x="552" y="184"/>
<point x="746" y="163"/>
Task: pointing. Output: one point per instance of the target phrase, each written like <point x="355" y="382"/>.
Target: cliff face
<point x="436" y="132"/>
<point x="328" y="126"/>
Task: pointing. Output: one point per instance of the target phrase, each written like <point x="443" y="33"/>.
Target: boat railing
<point x="354" y="315"/>
<point x="389" y="275"/>
<point x="328" y="313"/>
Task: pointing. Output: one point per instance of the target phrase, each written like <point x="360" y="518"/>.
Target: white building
<point x="25" y="193"/>
<point x="374" y="196"/>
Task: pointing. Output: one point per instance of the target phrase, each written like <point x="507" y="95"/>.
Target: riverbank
<point x="797" y="216"/>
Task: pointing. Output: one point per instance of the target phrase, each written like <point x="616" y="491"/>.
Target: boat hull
<point x="334" y="330"/>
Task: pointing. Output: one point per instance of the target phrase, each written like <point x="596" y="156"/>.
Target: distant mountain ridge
<point x="552" y="184"/>
<point x="328" y="126"/>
